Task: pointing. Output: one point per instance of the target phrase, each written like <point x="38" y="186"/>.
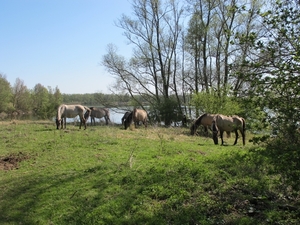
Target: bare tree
<point x="213" y="41"/>
<point x="153" y="70"/>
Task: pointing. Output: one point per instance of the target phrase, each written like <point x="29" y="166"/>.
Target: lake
<point x="115" y="117"/>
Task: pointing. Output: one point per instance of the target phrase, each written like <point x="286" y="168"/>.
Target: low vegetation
<point x="108" y="175"/>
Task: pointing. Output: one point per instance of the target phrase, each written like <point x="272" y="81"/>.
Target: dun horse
<point x="223" y="123"/>
<point x="70" y="111"/>
<point x="136" y="116"/>
<point x="99" y="113"/>
<point x="204" y="120"/>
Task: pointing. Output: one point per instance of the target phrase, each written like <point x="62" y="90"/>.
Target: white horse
<point x="71" y="111"/>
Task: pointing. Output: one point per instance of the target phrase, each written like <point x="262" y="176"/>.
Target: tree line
<point x="18" y="101"/>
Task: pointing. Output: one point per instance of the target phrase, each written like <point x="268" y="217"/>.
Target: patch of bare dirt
<point x="12" y="161"/>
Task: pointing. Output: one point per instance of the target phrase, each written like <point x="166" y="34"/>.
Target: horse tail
<point x="244" y="130"/>
<point x="197" y="123"/>
<point x="215" y="130"/>
<point x="107" y="114"/>
<point x="87" y="114"/>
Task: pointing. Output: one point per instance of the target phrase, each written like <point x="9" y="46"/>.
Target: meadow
<point x="108" y="175"/>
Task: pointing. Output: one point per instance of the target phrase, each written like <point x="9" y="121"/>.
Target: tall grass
<point x="108" y="175"/>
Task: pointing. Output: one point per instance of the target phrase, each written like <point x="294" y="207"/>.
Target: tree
<point x="213" y="47"/>
<point x="41" y="101"/>
<point x="153" y="70"/>
<point x="211" y="102"/>
<point x="275" y="76"/>
<point x="21" y="96"/>
<point x="55" y="99"/>
<point x="5" y="95"/>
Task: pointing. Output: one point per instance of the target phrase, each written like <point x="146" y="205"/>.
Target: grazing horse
<point x="124" y="118"/>
<point x="136" y="116"/>
<point x="99" y="113"/>
<point x="127" y="119"/>
<point x="223" y="123"/>
<point x="70" y="111"/>
<point x="139" y="115"/>
<point x="204" y="120"/>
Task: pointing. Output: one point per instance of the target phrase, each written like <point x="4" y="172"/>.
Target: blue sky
<point x="60" y="42"/>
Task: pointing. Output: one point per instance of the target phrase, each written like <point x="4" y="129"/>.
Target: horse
<point x="136" y="116"/>
<point x="139" y="115"/>
<point x="99" y="113"/>
<point x="223" y="123"/>
<point x="204" y="120"/>
<point x="124" y="118"/>
<point x="70" y="111"/>
<point x="127" y="119"/>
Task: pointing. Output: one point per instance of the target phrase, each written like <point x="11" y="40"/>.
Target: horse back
<point x="139" y="115"/>
<point x="239" y="121"/>
<point x="224" y="123"/>
<point x="70" y="111"/>
<point x="207" y="119"/>
<point x="99" y="113"/>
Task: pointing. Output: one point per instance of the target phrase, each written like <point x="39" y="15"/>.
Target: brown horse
<point x="99" y="113"/>
<point x="136" y="116"/>
<point x="204" y="120"/>
<point x="70" y="111"/>
<point x="223" y="123"/>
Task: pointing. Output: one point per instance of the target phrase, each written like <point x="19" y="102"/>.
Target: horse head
<point x="58" y="123"/>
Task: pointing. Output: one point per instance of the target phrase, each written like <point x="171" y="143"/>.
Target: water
<point x="115" y="117"/>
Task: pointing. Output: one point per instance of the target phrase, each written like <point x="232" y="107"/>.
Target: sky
<point x="60" y="43"/>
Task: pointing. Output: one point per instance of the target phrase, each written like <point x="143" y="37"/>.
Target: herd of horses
<point x="217" y="123"/>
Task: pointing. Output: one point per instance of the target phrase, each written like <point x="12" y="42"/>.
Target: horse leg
<point x="84" y="122"/>
<point x="236" y="136"/>
<point x="206" y="131"/>
<point x="243" y="135"/>
<point x="221" y="135"/>
<point x="80" y="122"/>
<point x="63" y="123"/>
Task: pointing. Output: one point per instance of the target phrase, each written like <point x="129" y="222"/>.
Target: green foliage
<point x="41" y="101"/>
<point x="5" y="94"/>
<point x="55" y="99"/>
<point x="256" y="116"/>
<point x="212" y="102"/>
<point x="275" y="73"/>
<point x="166" y="110"/>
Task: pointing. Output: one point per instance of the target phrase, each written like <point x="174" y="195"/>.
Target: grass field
<point x="108" y="175"/>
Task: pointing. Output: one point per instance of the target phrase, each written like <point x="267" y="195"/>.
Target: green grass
<point x="108" y="175"/>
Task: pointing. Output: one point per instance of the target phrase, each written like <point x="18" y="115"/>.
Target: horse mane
<point x="58" y="115"/>
<point x="197" y="123"/>
<point x="87" y="108"/>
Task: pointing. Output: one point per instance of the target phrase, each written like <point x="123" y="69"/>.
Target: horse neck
<point x="59" y="113"/>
